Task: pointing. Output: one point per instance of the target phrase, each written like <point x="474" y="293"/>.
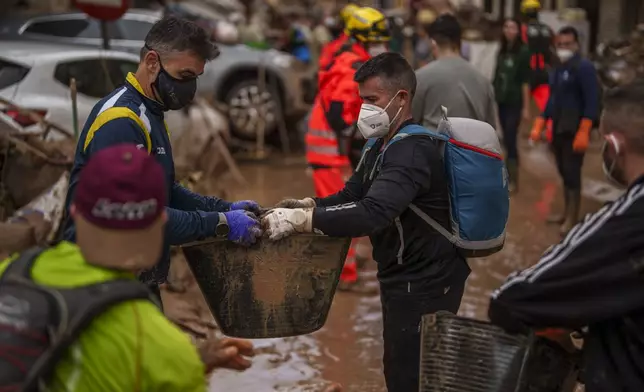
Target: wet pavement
<point x="348" y="348"/>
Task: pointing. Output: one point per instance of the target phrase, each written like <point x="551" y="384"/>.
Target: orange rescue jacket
<point x="324" y="145"/>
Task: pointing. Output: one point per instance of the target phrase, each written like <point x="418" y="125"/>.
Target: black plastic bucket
<point x="273" y="289"/>
<point x="465" y="355"/>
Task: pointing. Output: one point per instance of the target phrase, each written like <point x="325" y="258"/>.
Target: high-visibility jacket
<point x="329" y="50"/>
<point x="335" y="109"/>
<point x="130" y="346"/>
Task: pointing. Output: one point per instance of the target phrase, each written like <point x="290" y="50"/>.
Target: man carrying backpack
<point x="419" y="270"/>
<point x="75" y="318"/>
<point x="573" y="106"/>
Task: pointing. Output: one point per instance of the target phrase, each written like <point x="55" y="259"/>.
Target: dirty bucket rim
<point x="217" y="240"/>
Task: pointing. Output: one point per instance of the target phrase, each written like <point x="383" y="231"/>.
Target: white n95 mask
<point x="373" y="121"/>
<point x="565" y="54"/>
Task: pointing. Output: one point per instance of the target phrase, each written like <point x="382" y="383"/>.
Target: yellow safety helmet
<point x="530" y="5"/>
<point x="346" y="11"/>
<point x="368" y="25"/>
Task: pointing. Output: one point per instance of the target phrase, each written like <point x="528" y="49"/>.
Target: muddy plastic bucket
<point x="272" y="289"/>
<point x="465" y="355"/>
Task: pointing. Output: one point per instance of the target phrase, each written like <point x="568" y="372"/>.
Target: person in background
<point x="540" y="39"/>
<point x="331" y="130"/>
<point x="512" y="92"/>
<point x="300" y="36"/>
<point x="341" y="42"/>
<point x="593" y="279"/>
<point x="422" y="46"/>
<point x="572" y="106"/>
<point x="451" y="81"/>
<point x="172" y="58"/>
<point x="420" y="271"/>
<point x="118" y="209"/>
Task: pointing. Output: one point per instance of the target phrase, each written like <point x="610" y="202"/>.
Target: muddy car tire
<point x="245" y="109"/>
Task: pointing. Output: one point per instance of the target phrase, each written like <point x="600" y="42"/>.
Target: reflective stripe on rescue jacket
<point x="322" y="146"/>
<point x="336" y="87"/>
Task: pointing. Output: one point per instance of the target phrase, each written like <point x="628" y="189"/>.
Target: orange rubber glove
<point x="582" y="138"/>
<point x="537" y="129"/>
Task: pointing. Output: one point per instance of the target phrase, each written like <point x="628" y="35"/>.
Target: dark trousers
<point x="401" y="313"/>
<point x="569" y="162"/>
<point x="510" y="118"/>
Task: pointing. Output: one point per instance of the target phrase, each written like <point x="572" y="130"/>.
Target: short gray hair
<point x="172" y="34"/>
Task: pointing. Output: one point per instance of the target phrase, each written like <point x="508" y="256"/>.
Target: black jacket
<point x="593" y="278"/>
<point x="408" y="251"/>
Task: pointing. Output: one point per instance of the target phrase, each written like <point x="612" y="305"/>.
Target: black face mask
<point x="174" y="93"/>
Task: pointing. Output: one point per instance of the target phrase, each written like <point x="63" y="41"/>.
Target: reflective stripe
<point x="112" y="114"/>
<point x="112" y="101"/>
<point x="323" y="150"/>
<point x="144" y="117"/>
<point x="322" y="134"/>
<point x="401" y="250"/>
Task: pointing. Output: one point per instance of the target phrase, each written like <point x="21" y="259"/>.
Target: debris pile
<point x="621" y="61"/>
<point x="34" y="173"/>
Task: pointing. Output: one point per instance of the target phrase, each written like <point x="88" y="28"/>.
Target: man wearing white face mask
<point x="419" y="270"/>
<point x="594" y="278"/>
<point x="573" y="105"/>
<point x="331" y="146"/>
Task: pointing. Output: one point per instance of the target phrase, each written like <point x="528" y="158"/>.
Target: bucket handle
<point x="524" y="361"/>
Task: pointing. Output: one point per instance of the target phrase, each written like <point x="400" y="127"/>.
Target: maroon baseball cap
<point x="121" y="188"/>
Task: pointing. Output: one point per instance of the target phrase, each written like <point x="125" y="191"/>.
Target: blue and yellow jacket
<point x="127" y="115"/>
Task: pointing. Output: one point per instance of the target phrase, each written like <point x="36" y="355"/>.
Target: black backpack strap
<point x="82" y="305"/>
<point x="21" y="266"/>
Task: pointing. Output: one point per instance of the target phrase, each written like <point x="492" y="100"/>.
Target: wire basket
<point x="273" y="289"/>
<point x="465" y="355"/>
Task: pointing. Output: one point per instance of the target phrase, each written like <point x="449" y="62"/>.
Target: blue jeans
<point x="510" y="118"/>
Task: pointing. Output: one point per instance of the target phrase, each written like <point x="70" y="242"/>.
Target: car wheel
<point x="247" y="107"/>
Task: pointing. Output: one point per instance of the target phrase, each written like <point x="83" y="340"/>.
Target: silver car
<point x="36" y="76"/>
<point x="231" y="79"/>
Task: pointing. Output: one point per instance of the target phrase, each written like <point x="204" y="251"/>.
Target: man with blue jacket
<point x="173" y="57"/>
<point x="573" y="106"/>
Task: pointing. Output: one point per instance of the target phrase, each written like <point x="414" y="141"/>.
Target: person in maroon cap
<point x="119" y="212"/>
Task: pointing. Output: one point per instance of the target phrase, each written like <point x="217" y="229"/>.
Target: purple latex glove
<point x="247" y="205"/>
<point x="243" y="227"/>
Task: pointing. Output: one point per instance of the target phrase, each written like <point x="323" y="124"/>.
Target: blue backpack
<point x="478" y="183"/>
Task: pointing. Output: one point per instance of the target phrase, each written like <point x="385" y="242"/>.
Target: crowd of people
<point x="97" y="288"/>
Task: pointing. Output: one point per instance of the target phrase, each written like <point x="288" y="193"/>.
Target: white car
<point x="36" y="76"/>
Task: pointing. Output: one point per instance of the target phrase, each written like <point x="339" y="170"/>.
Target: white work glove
<point x="282" y="222"/>
<point x="294" y="203"/>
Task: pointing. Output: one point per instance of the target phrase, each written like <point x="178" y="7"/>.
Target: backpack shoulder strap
<point x="409" y="130"/>
<point x="365" y="150"/>
<point x="83" y="305"/>
<point x="413" y="130"/>
<point x="21" y="266"/>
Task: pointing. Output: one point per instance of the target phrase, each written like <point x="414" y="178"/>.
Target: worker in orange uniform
<point x="540" y="41"/>
<point x="330" y="50"/>
<point x="335" y="111"/>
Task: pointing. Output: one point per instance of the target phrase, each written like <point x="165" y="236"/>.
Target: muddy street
<point x="348" y="348"/>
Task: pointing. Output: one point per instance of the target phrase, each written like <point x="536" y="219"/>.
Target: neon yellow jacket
<point x="130" y="347"/>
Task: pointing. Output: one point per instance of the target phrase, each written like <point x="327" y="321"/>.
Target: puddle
<point x="281" y="365"/>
